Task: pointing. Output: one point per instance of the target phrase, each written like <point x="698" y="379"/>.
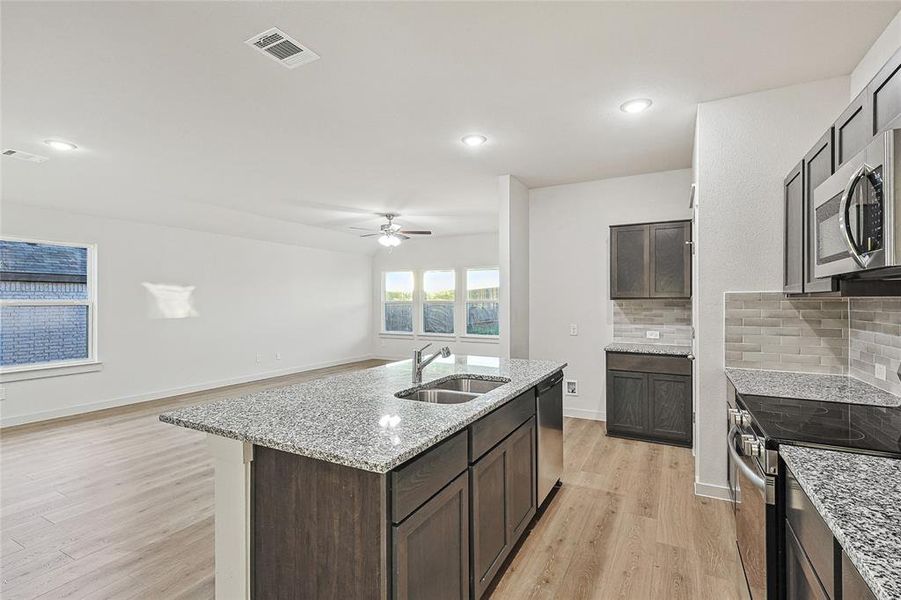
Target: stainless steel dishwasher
<point x="550" y="434"/>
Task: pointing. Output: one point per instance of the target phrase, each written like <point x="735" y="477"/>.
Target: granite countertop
<point x="858" y="497"/>
<point x="809" y="386"/>
<point x="354" y="419"/>
<point x="663" y="349"/>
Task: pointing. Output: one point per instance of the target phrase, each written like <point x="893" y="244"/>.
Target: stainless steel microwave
<point x="857" y="212"/>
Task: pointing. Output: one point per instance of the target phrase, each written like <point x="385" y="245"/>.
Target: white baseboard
<point x="709" y="490"/>
<point x="581" y="413"/>
<point x="78" y="409"/>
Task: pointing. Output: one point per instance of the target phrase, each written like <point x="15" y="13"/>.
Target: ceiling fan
<point x="391" y="234"/>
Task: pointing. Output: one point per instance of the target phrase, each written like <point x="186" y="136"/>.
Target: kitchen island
<point x="339" y="488"/>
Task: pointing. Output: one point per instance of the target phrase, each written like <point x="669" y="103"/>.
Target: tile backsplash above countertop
<point x="671" y="318"/>
<point x="839" y="336"/>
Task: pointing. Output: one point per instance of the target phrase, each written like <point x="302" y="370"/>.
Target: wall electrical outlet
<point x="278" y="356"/>
<point x="573" y="329"/>
<point x="572" y="387"/>
<point x="880" y="372"/>
<point x="652" y="335"/>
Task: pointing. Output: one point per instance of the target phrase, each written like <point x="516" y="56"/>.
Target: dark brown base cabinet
<point x="649" y="405"/>
<point x="439" y="527"/>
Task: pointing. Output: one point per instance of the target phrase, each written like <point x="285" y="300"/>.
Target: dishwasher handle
<point x="550" y="382"/>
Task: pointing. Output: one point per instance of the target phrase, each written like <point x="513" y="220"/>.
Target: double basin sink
<point x="452" y="391"/>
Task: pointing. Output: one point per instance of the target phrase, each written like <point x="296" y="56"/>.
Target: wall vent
<point x="282" y="48"/>
<point x="35" y="158"/>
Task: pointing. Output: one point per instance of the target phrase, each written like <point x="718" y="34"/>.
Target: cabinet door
<point x="629" y="253"/>
<point x="669" y="405"/>
<point x="853" y="585"/>
<point x="670" y="260"/>
<point x="818" y="166"/>
<point x="521" y="474"/>
<point x="431" y="547"/>
<point x="627" y="403"/>
<point x="853" y="129"/>
<point x="793" y="234"/>
<point x="885" y="95"/>
<point x="490" y="534"/>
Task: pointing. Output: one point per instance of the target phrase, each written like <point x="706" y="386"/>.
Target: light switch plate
<point x="880" y="372"/>
<point x="652" y="335"/>
<point x="573" y="329"/>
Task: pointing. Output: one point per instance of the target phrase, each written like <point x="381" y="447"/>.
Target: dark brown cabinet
<point x="650" y="260"/>
<point x="793" y="241"/>
<point x="853" y="129"/>
<point x="503" y="502"/>
<point x="884" y="93"/>
<point x="649" y="398"/>
<point x="853" y="585"/>
<point x="431" y="548"/>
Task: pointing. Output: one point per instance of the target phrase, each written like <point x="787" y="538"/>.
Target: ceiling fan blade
<point x="415" y="232"/>
<point x="401" y="236"/>
<point x="370" y="235"/>
<point x="361" y="228"/>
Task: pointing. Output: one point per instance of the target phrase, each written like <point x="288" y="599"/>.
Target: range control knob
<point x="751" y="446"/>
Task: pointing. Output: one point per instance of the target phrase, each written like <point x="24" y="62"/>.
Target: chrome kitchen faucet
<point x="419" y="364"/>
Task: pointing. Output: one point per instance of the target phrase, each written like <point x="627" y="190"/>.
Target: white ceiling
<point x="179" y="122"/>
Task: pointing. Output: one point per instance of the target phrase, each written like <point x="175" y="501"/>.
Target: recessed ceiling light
<point x="60" y="145"/>
<point x="474" y="139"/>
<point x="635" y="106"/>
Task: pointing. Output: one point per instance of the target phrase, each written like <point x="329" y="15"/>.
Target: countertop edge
<point x="830" y="520"/>
<point x="380" y="468"/>
<point x="649" y="349"/>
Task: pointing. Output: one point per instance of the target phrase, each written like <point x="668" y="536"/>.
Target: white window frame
<point x="466" y="301"/>
<point x="422" y="302"/>
<point x="411" y="302"/>
<point x="61" y="367"/>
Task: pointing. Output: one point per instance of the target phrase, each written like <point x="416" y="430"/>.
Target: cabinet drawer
<point x="485" y="433"/>
<point x="421" y="478"/>
<point x="811" y="531"/>
<point x="648" y="363"/>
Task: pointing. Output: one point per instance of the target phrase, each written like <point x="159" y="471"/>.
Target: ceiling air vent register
<point x="282" y="48"/>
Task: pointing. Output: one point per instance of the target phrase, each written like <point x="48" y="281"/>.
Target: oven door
<point x="848" y="223"/>
<point x="751" y="501"/>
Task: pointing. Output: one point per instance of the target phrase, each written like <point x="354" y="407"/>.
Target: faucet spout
<point x="419" y="363"/>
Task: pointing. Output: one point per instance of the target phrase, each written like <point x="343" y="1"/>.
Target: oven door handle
<point x="751" y="474"/>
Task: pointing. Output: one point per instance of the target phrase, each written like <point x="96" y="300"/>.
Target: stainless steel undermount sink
<point x="452" y="391"/>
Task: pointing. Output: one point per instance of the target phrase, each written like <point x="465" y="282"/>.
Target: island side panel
<point x="319" y="529"/>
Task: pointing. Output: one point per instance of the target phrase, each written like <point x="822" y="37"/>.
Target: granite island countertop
<point x="859" y="497"/>
<point x="354" y="419"/>
<point x="809" y="386"/>
<point x="661" y="349"/>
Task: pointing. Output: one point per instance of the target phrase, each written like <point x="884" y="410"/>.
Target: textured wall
<point x="632" y="319"/>
<point x="876" y="340"/>
<point x="765" y="330"/>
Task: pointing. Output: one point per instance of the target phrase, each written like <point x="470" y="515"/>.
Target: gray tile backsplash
<point x="876" y="340"/>
<point x="632" y="319"/>
<point x="765" y="330"/>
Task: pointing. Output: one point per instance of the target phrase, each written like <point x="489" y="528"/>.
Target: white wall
<point x="878" y="54"/>
<point x="513" y="235"/>
<point x="450" y="252"/>
<point x="744" y="147"/>
<point x="252" y="297"/>
<point x="570" y="269"/>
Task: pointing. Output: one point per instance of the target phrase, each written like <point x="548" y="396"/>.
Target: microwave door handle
<point x="844" y="215"/>
<point x="748" y="472"/>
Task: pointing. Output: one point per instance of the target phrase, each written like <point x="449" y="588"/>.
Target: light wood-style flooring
<point x="118" y="505"/>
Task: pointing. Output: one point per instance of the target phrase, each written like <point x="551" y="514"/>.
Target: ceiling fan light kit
<point x="390" y="234"/>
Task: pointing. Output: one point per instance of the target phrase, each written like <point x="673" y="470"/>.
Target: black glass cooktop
<point x="861" y="427"/>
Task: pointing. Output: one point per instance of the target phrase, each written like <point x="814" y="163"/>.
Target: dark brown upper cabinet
<point x="818" y="166"/>
<point x="793" y="240"/>
<point x="853" y="129"/>
<point x="651" y="260"/>
<point x="884" y="93"/>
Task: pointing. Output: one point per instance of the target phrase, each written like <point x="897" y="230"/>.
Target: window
<point x="482" y="298"/>
<point x="47" y="305"/>
<point x="438" y="301"/>
<point x="397" y="302"/>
